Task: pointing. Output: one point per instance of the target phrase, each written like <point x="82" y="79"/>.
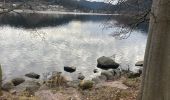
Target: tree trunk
<point x="0" y="81"/>
<point x="156" y="76"/>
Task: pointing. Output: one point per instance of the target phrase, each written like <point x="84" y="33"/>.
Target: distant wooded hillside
<point x="87" y="6"/>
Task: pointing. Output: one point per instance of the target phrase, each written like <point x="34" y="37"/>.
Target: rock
<point x="96" y="80"/>
<point x="32" y="75"/>
<point x="17" y="81"/>
<point x="139" y="63"/>
<point x="116" y="73"/>
<point x="99" y="79"/>
<point x="134" y="75"/>
<point x="136" y="72"/>
<point x="81" y="76"/>
<point x="109" y="75"/>
<point x="102" y="77"/>
<point x="69" y="69"/>
<point x="7" y="86"/>
<point x="106" y="63"/>
<point x="86" y="84"/>
<point x="30" y="86"/>
<point x="140" y="70"/>
<point x="95" y="71"/>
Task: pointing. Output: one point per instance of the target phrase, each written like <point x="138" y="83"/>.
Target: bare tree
<point x="137" y="10"/>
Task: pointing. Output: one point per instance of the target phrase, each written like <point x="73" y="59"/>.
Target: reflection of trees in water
<point x="33" y="20"/>
<point x="126" y="24"/>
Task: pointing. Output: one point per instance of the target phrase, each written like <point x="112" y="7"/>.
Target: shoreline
<point x="124" y="88"/>
<point x="116" y="82"/>
<point x="62" y="13"/>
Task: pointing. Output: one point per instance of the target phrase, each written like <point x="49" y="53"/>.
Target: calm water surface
<point x="47" y="44"/>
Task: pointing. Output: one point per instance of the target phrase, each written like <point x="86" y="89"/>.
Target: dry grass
<point x="96" y="93"/>
<point x="56" y="81"/>
<point x="133" y="83"/>
<point x="22" y="96"/>
<point x="111" y="93"/>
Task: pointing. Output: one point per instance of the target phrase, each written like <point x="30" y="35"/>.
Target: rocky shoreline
<point x="110" y="76"/>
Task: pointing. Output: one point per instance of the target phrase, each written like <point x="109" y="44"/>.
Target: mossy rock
<point x="86" y="84"/>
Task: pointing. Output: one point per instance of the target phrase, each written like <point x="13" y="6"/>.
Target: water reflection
<point x="34" y="20"/>
<point x="77" y="43"/>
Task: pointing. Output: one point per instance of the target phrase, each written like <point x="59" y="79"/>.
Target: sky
<point x="113" y="1"/>
<point x="97" y="0"/>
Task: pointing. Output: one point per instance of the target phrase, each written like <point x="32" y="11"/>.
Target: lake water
<point x="45" y="43"/>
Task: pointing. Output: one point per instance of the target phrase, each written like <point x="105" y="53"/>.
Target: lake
<point x="47" y="42"/>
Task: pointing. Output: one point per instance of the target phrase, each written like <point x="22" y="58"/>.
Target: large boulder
<point x="32" y="75"/>
<point x="17" y="81"/>
<point x="106" y="63"/>
<point x="139" y="63"/>
<point x="69" y="69"/>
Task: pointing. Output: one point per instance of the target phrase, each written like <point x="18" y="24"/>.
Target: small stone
<point x="32" y="75"/>
<point x="134" y="75"/>
<point x="81" y="76"/>
<point x="139" y="63"/>
<point x="95" y="71"/>
<point x="69" y="69"/>
<point x="17" y="81"/>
